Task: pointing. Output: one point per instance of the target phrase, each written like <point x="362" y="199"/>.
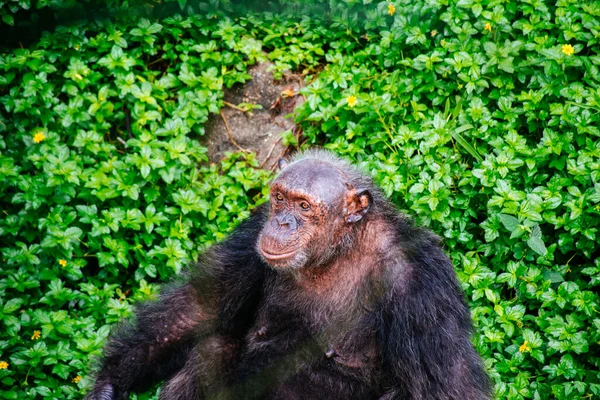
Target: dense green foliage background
<point x="478" y="117"/>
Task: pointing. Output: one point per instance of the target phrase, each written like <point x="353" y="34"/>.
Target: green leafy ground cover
<point x="480" y="118"/>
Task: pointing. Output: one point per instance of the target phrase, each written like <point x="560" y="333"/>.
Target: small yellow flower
<point x="338" y="118"/>
<point x="524" y="347"/>
<point x="38" y="137"/>
<point x="567" y="49"/>
<point x="63" y="263"/>
<point x="434" y="32"/>
<point x="76" y="379"/>
<point x="3" y="365"/>
<point x="36" y="335"/>
<point x="487" y="27"/>
<point x="351" y="100"/>
<point x="391" y="9"/>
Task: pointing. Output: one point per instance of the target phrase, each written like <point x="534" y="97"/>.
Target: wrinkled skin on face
<point x="312" y="207"/>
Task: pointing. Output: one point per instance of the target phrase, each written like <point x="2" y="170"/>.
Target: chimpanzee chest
<point x="308" y="339"/>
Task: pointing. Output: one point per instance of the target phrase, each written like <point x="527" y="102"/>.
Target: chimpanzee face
<point x="310" y="205"/>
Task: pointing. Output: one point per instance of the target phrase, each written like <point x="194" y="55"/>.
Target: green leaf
<point x="553" y="276"/>
<point x="8" y="19"/>
<point x="509" y="222"/>
<point x="12" y="305"/>
<point x="535" y="241"/>
<point x="456" y="134"/>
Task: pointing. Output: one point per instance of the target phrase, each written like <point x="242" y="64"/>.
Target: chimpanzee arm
<point x="150" y="347"/>
<point x="218" y="298"/>
<point x="426" y="327"/>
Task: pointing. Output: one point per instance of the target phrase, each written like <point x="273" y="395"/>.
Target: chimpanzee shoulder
<point x="425" y="313"/>
<point x="234" y="273"/>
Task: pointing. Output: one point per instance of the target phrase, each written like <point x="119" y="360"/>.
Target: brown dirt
<point x="258" y="131"/>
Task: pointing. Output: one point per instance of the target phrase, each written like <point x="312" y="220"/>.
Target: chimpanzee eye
<point x="279" y="197"/>
<point x="304" y="205"/>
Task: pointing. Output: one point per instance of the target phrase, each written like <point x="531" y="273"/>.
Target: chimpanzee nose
<point x="286" y="222"/>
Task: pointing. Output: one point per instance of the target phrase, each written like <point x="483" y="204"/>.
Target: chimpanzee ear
<point x="358" y="202"/>
<point x="282" y="163"/>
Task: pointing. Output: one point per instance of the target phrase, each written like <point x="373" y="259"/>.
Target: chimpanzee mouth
<point x="277" y="256"/>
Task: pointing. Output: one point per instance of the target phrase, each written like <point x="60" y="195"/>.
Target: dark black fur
<point x="238" y="329"/>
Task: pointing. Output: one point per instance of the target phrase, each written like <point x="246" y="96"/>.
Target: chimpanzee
<point x="326" y="292"/>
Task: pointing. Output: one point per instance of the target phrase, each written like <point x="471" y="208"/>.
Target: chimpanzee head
<point x="315" y="208"/>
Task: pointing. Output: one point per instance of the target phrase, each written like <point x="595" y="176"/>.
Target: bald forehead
<point x="313" y="177"/>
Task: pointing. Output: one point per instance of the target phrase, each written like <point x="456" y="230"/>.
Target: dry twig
<point x="228" y="104"/>
<point x="269" y="154"/>
<point x="275" y="164"/>
<point x="231" y="139"/>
